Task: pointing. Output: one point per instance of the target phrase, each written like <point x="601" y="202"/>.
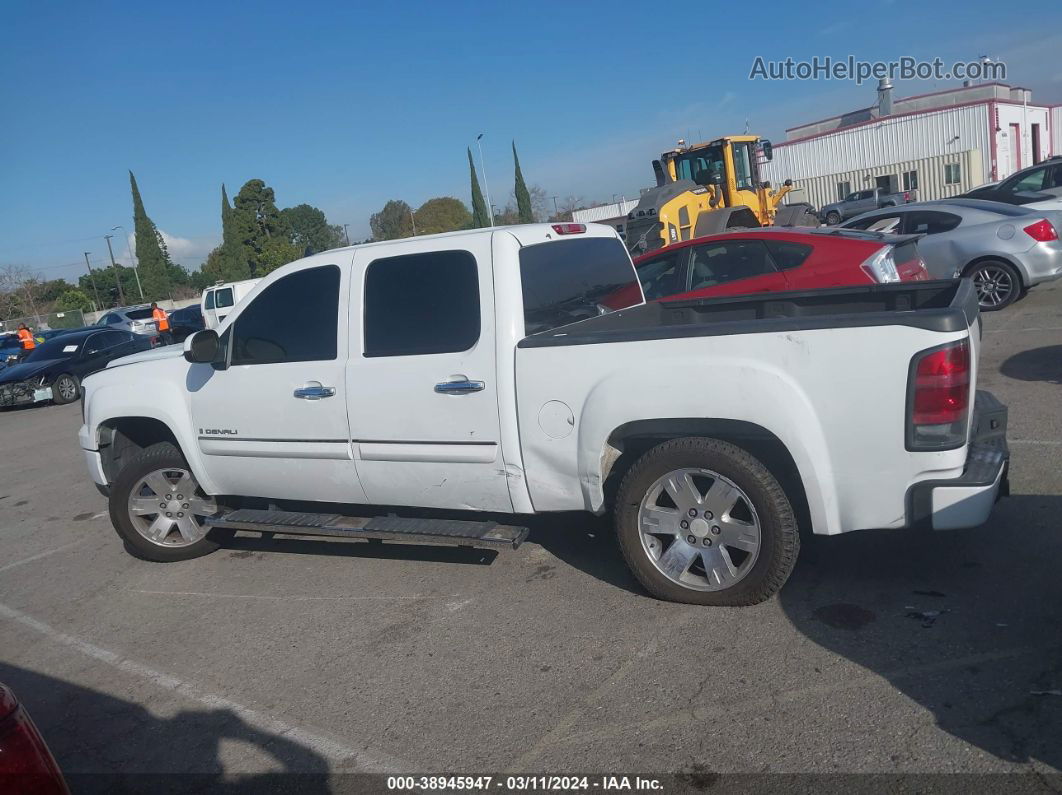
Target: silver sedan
<point x="1006" y="249"/>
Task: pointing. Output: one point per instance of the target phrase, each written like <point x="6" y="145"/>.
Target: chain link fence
<point x="51" y="321"/>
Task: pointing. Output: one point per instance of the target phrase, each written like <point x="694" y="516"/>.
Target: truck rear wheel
<point x="702" y="521"/>
<point x="159" y="510"/>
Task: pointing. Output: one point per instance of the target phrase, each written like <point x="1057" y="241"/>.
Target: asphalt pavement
<point x="887" y="652"/>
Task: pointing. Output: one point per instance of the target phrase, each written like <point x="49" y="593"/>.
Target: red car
<point x="26" y="764"/>
<point x="774" y="259"/>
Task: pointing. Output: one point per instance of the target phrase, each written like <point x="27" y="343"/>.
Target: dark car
<point x="26" y="764"/>
<point x="54" y="369"/>
<point x="186" y="321"/>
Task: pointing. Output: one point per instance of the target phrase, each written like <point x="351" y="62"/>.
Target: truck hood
<point x="167" y="352"/>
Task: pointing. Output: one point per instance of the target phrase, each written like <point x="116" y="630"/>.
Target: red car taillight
<point x="939" y="397"/>
<point x="1042" y="231"/>
<point x="26" y="764"/>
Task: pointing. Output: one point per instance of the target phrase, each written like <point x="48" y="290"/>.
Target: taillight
<point x="938" y="402"/>
<point x="880" y="266"/>
<point x="26" y="765"/>
<point x="1042" y="231"/>
<point x="906" y="197"/>
<point x="569" y="229"/>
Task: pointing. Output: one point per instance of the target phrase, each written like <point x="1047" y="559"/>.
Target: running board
<point x="451" y="532"/>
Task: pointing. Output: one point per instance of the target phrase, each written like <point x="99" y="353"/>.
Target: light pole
<point x="136" y="270"/>
<point x="114" y="267"/>
<point x="92" y="279"/>
<point x="483" y="168"/>
<point x="413" y="221"/>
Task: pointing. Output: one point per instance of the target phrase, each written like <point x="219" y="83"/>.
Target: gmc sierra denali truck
<point x="497" y="372"/>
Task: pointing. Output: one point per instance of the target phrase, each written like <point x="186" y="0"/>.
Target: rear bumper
<point x="966" y="501"/>
<point x="1042" y="263"/>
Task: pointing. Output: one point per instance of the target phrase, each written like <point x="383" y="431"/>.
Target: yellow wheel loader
<point x="708" y="188"/>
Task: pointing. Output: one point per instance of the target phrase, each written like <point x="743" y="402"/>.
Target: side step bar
<point x="484" y="535"/>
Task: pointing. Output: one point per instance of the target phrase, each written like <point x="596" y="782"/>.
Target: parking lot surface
<point x="886" y="652"/>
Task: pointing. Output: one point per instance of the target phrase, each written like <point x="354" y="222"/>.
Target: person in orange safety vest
<point x="25" y="338"/>
<point x="162" y="322"/>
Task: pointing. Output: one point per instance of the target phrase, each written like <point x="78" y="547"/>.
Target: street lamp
<point x="136" y="271"/>
<point x="483" y="168"/>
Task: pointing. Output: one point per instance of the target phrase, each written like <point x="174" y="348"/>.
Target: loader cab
<point x="730" y="164"/>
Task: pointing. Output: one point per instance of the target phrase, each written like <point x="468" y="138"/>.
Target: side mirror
<point x="202" y="347"/>
<point x="768" y="150"/>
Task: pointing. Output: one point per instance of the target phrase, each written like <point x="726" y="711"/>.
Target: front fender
<point x="112" y="401"/>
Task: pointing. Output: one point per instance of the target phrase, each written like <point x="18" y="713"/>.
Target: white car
<point x="1037" y="187"/>
<point x="218" y="301"/>
<point x="516" y="371"/>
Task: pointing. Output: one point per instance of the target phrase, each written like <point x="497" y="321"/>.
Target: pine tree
<point x="523" y="199"/>
<point x="263" y="233"/>
<point x="153" y="260"/>
<point x="480" y="218"/>
<point x="231" y="260"/>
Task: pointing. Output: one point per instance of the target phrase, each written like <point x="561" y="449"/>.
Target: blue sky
<point x="346" y="105"/>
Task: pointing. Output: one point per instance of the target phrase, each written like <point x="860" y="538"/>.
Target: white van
<point x="219" y="300"/>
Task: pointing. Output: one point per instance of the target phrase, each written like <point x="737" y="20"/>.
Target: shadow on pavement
<point x="107" y="744"/>
<point x="1038" y="364"/>
<point x="967" y="624"/>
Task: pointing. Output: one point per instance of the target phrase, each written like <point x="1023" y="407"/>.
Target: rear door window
<point x="571" y="280"/>
<point x="421" y="304"/>
<point x="877" y="223"/>
<point x="223" y="298"/>
<point x="210" y="299"/>
<point x="719" y="263"/>
<point x="788" y="254"/>
<point x="139" y="314"/>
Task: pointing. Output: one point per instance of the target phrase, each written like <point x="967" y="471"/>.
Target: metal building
<point x="936" y="145"/>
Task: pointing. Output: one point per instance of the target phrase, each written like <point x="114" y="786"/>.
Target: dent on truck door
<point x="274" y="422"/>
<point x="421" y="383"/>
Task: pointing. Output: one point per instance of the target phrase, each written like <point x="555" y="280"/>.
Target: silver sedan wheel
<point x="167" y="508"/>
<point x="699" y="529"/>
<point x="67" y="388"/>
<point x="994" y="285"/>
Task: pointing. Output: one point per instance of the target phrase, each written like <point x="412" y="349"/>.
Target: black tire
<point x="1007" y="271"/>
<point x="833" y="218"/>
<point x="780" y="538"/>
<point x="60" y="385"/>
<point x="163" y="455"/>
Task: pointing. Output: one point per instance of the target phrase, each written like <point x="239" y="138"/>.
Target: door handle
<point x="459" y="387"/>
<point x="315" y="392"/>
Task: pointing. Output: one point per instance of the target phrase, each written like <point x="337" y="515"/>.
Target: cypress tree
<point x="525" y="212"/>
<point x="480" y="218"/>
<point x="152" y="258"/>
<point x="232" y="261"/>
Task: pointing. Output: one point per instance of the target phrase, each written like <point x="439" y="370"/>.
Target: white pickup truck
<point x="517" y="371"/>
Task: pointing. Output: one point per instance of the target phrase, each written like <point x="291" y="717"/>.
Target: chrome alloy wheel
<point x="994" y="285"/>
<point x="67" y="388"/>
<point x="168" y="509"/>
<point x="699" y="529"/>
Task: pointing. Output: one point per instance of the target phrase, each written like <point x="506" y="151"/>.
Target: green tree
<point x="107" y="285"/>
<point x="310" y="231"/>
<point x="525" y="212"/>
<point x="263" y="234"/>
<point x="230" y="265"/>
<point x="442" y="214"/>
<point x="395" y="220"/>
<point x="480" y="214"/>
<point x="73" y="300"/>
<point x="152" y="256"/>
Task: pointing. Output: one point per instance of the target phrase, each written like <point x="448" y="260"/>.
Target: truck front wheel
<point x="704" y="522"/>
<point x="159" y="510"/>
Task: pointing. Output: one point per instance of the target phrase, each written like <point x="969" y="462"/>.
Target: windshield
<point x="58" y="348"/>
<point x="700" y="165"/>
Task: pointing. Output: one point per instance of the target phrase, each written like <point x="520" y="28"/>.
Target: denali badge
<point x="218" y="432"/>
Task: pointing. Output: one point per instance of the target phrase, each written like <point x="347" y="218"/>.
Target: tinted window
<point x="421" y="303"/>
<point x="223" y="298"/>
<point x="787" y="254"/>
<point x="111" y="319"/>
<point x="54" y="349"/>
<point x="931" y="223"/>
<point x="663" y="275"/>
<point x="210" y="299"/>
<point x="719" y="263"/>
<point x="103" y="340"/>
<point x="294" y="319"/>
<point x="1033" y="181"/>
<point x="572" y="280"/>
<point x="139" y="314"/>
<point x="876" y="223"/>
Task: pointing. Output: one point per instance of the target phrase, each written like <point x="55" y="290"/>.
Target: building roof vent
<point x="884" y="97"/>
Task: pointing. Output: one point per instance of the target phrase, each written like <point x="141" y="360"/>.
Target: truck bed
<point x="946" y="306"/>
